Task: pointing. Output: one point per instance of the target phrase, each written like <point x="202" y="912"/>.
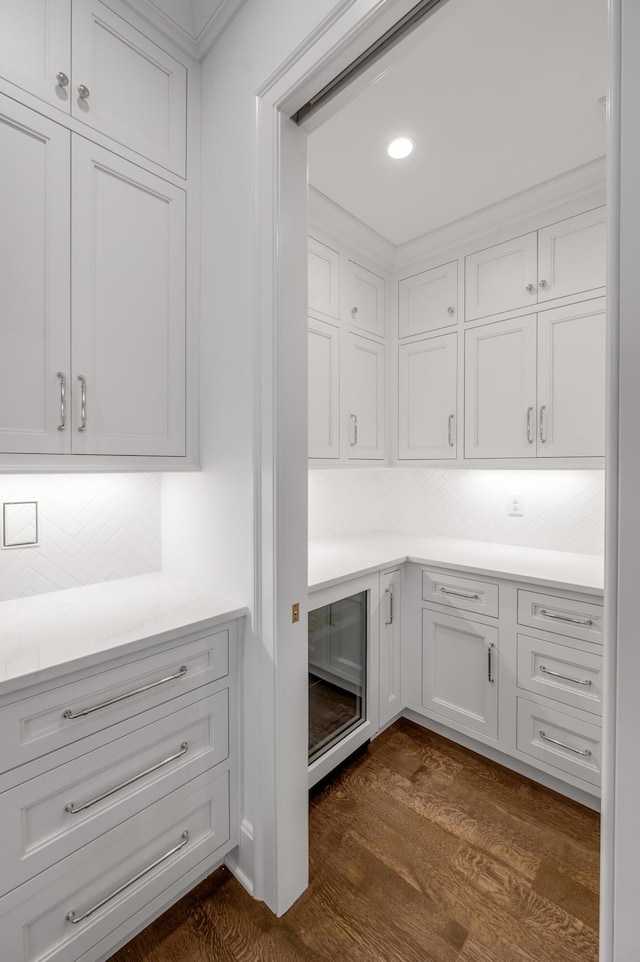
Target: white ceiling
<point x="498" y="95"/>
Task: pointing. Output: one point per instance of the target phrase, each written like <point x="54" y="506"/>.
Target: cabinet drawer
<point x="563" y="741"/>
<point x="51" y="719"/>
<point x="566" y="674"/>
<point x="464" y="593"/>
<point x="53" y="815"/>
<point x="577" y="619"/>
<point x="115" y="876"/>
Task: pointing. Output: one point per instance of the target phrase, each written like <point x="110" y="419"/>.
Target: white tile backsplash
<point x="563" y="510"/>
<point x="91" y="528"/>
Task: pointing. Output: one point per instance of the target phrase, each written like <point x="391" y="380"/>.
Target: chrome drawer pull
<point x="114" y="701"/>
<point x="450" y="422"/>
<point x="556" y="674"/>
<point x="585" y="622"/>
<point x="490" y="675"/>
<point x="74" y="919"/>
<point x="577" y="751"/>
<point x="389" y="591"/>
<point x="83" y="402"/>
<point x="459" y="594"/>
<point x="63" y="401"/>
<point x="74" y="809"/>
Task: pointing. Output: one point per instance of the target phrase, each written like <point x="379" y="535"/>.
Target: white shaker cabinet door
<point x="365" y="299"/>
<point x="127" y="87"/>
<point x="35" y="47"/>
<point x="502" y="278"/>
<point x="500" y="389"/>
<point x="34" y="280"/>
<point x="324" y="390"/>
<point x="572" y="255"/>
<point x="427" y="398"/>
<point x="428" y="301"/>
<point x="571" y="380"/>
<point x="390" y="694"/>
<point x="324" y="279"/>
<point x="128" y="334"/>
<point x="366" y="398"/>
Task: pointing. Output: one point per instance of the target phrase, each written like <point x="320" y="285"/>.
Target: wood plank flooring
<point x="420" y="851"/>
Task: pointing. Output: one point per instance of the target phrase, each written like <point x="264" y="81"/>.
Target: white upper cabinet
<point x="365" y="306"/>
<point x="427" y="400"/>
<point x="502" y="278"/>
<point x="34" y="280"/>
<point x="366" y="398"/>
<point x="128" y="308"/>
<point x="571" y="380"/>
<point x="35" y="47"/>
<point x="572" y="255"/>
<point x="127" y="87"/>
<point x="324" y="389"/>
<point x="324" y="279"/>
<point x="500" y="389"/>
<point x="428" y="301"/>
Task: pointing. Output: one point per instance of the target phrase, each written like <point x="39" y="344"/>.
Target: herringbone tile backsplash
<point x="91" y="528"/>
<point x="563" y="510"/>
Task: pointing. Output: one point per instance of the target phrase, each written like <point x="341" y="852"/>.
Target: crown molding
<point x="196" y="47"/>
<point x="216" y="24"/>
<point x="324" y="213"/>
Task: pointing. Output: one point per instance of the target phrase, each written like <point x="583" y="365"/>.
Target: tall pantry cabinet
<point x="95" y="344"/>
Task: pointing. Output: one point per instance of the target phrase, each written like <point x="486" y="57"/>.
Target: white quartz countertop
<point x="336" y="559"/>
<point x="79" y="627"/>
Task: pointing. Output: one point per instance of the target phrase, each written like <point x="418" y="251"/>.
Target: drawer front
<point x="569" y="675"/>
<point x="570" y="744"/>
<point x="464" y="593"/>
<point x="53" y="815"/>
<point x="115" y="876"/>
<point x="51" y="719"/>
<point x="577" y="619"/>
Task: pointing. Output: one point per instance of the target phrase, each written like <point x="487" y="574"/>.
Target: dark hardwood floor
<point x="420" y="851"/>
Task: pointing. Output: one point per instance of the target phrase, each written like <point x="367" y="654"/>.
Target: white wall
<point x="92" y="528"/>
<point x="563" y="510"/>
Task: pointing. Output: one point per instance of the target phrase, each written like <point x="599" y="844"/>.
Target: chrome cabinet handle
<point x="530" y="288"/>
<point x="63" y="80"/>
<point x="451" y="310"/>
<point x="83" y="92"/>
<point x="83" y="402"/>
<point x="556" y="674"/>
<point x="577" y="751"/>
<point x="129" y="694"/>
<point x="530" y="425"/>
<point x="450" y="421"/>
<point x="354" y="422"/>
<point x="74" y="809"/>
<point x="490" y="674"/>
<point x="74" y="918"/>
<point x="354" y="311"/>
<point x="586" y="622"/>
<point x="63" y="401"/>
<point x="543" y="284"/>
<point x="459" y="594"/>
<point x="542" y="436"/>
<point x="389" y="591"/>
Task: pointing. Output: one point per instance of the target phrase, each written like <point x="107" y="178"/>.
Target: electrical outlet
<point x="515" y="505"/>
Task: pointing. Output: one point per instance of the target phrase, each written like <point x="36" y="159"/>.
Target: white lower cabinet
<point x="390" y="686"/>
<point x="570" y="743"/>
<point x="428" y="398"/>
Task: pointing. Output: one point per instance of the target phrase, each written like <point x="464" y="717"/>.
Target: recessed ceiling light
<point x="400" y="147"/>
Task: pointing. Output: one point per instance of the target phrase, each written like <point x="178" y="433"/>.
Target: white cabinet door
<point x="35" y="45"/>
<point x="502" y="278"/>
<point x="572" y="255"/>
<point x="324" y="279"/>
<point x="136" y="92"/>
<point x="324" y="390"/>
<point x="428" y="301"/>
<point x="427" y="398"/>
<point x="34" y="280"/>
<point x="460" y="671"/>
<point x="390" y="695"/>
<point x="365" y="299"/>
<point x="366" y="398"/>
<point x="571" y="380"/>
<point x="128" y="308"/>
<point x="500" y="389"/>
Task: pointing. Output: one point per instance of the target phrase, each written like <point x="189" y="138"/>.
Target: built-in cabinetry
<point x="95" y="353"/>
<point x="428" y="398"/>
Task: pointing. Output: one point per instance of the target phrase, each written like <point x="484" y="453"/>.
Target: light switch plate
<point x="19" y="524"/>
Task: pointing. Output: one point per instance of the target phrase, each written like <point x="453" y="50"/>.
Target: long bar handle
<point x="585" y="622"/>
<point x="556" y="674"/>
<point x="83" y="402"/>
<point x="74" y="918"/>
<point x="389" y="591"/>
<point x="354" y="422"/>
<point x="459" y="594"/>
<point x="63" y="401"/>
<point x="450" y="421"/>
<point x="129" y="694"/>
<point x="490" y="674"/>
<point x="74" y="809"/>
<point x="542" y="434"/>
<point x="577" y="751"/>
<point x="530" y="425"/>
